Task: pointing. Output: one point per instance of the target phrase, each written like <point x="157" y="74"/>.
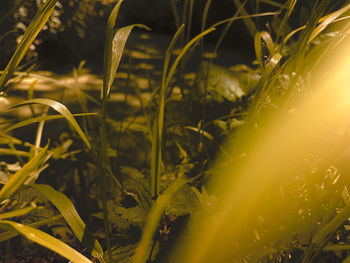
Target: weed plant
<point x="231" y="210"/>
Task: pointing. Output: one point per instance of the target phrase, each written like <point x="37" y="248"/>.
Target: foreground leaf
<point x="70" y="214"/>
<point x="20" y="177"/>
<point x="45" y="240"/>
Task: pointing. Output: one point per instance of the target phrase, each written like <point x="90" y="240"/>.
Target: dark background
<point x="76" y="30"/>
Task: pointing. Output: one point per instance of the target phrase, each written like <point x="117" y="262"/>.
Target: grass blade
<point x="263" y="35"/>
<point x="29" y="35"/>
<point x="169" y="52"/>
<point x="12" y="233"/>
<point x="247" y="20"/>
<point x="42" y="118"/>
<point x="117" y="50"/>
<point x="18" y="212"/>
<point x="158" y="123"/>
<point x="20" y="177"/>
<point x="175" y="13"/>
<point x="328" y="20"/>
<point x="59" y="108"/>
<point x="45" y="240"/>
<point x="70" y="214"/>
<point x="109" y="49"/>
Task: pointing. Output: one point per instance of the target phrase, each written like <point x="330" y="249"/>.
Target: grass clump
<point x="247" y="172"/>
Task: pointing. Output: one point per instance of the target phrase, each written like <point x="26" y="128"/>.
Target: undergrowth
<point x="81" y="186"/>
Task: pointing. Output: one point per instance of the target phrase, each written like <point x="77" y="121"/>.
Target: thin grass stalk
<point x="175" y="13"/>
<point x="159" y="121"/>
<point x="103" y="134"/>
<point x="289" y="11"/>
<point x="189" y="22"/>
<point x="303" y="46"/>
<point x="247" y="21"/>
<point x="104" y="184"/>
<point x="227" y="27"/>
<point x="204" y="21"/>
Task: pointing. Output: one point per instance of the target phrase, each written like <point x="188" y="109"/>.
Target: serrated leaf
<point x="70" y="214"/>
<point x="45" y="240"/>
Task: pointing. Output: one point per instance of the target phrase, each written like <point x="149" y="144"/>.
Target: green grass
<point x="250" y="205"/>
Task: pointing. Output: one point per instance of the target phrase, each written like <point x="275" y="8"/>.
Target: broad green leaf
<point x="118" y="45"/>
<point x="29" y="35"/>
<point x="108" y="49"/>
<point x="59" y="108"/>
<point x="70" y="214"/>
<point x="45" y="240"/>
<point x="18" y="179"/>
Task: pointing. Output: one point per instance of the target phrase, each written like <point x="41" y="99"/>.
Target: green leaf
<point x="70" y="214"/>
<point x="59" y="108"/>
<point x="42" y="118"/>
<point x="29" y="35"/>
<point x="45" y="240"/>
<point x="20" y="177"/>
<point x="158" y="122"/>
<point x="328" y="20"/>
<point x="18" y="212"/>
<point x="108" y="49"/>
<point x="12" y="233"/>
<point x="114" y="56"/>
